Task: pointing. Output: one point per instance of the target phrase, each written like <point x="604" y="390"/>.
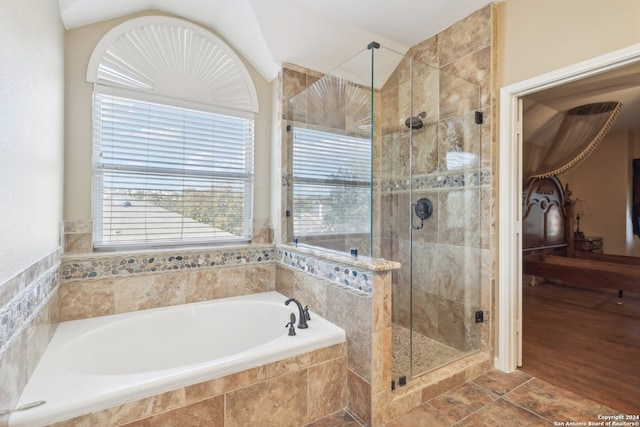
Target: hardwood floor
<point x="583" y="341"/>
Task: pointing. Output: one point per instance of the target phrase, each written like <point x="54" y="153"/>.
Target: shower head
<point x="415" y="122"/>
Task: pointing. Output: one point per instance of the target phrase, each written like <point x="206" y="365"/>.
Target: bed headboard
<point x="545" y="223"/>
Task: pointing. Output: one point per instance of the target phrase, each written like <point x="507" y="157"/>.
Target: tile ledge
<point x="367" y="263"/>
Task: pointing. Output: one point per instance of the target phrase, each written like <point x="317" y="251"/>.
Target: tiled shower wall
<point x="455" y="74"/>
<point x="464" y="50"/>
<point x="452" y="75"/>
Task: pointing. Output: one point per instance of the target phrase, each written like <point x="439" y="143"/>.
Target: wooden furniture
<point x="544" y="216"/>
<point x="550" y="251"/>
<point x="588" y="244"/>
<point x="585" y="272"/>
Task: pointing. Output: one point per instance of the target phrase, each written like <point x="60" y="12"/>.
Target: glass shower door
<point x="445" y="248"/>
<point x="430" y="195"/>
<point x="388" y="135"/>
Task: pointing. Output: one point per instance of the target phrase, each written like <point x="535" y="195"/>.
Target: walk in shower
<point x="385" y="161"/>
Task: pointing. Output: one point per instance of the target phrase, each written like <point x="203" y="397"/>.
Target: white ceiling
<point x="316" y="34"/>
<point x="621" y="85"/>
<point x="323" y="34"/>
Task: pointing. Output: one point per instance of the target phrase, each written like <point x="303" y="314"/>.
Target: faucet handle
<point x="292" y="329"/>
<point x="306" y="312"/>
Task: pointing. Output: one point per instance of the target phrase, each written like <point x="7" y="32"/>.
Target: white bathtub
<point x="98" y="363"/>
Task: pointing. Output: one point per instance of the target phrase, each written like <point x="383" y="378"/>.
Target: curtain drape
<point x="578" y="134"/>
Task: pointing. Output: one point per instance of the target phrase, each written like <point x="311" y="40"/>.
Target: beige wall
<point x="31" y="132"/>
<point x="79" y="44"/>
<point x="603" y="180"/>
<point x="536" y="37"/>
<point x="31" y="169"/>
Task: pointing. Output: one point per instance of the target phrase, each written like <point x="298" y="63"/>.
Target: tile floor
<point x="495" y="399"/>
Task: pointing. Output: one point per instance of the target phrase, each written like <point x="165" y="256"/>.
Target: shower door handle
<point x="423" y="209"/>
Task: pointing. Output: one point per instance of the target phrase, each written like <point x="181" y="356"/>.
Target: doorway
<point x="510" y="191"/>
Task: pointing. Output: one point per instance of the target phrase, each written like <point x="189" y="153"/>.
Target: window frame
<point x="248" y="198"/>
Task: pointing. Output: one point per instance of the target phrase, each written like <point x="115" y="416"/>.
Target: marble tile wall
<point x="262" y="231"/>
<point x="292" y="81"/>
<point x="452" y="253"/>
<point x="82" y="299"/>
<point x="109" y="265"/>
<point x="111" y="283"/>
<point x="458" y="60"/>
<point x="77" y="237"/>
<point x="364" y="315"/>
<point x="342" y="305"/>
<point x="453" y="269"/>
<point x="291" y="392"/>
<point x="28" y="317"/>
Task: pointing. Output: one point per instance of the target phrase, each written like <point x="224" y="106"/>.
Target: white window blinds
<point x="165" y="175"/>
<point x="331" y="183"/>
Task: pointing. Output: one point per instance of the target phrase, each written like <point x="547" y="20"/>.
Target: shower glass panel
<point x="331" y="160"/>
<point x="429" y="215"/>
<point x="385" y="158"/>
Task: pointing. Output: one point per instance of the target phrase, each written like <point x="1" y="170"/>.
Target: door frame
<point x="509" y="274"/>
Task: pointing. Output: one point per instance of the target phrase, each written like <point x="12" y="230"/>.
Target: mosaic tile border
<point x="439" y="181"/>
<point x="126" y="265"/>
<point x="16" y="315"/>
<point x="339" y="273"/>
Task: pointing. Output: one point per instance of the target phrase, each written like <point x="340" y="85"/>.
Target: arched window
<point x="173" y="120"/>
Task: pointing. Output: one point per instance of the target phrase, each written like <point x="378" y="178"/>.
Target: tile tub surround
<point x="366" y="320"/>
<point x="107" y="265"/>
<point x="364" y="314"/>
<point x="336" y="267"/>
<point x="28" y="316"/>
<point x="291" y="392"/>
<point x="110" y="283"/>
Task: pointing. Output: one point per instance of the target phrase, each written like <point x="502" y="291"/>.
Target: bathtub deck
<point x="72" y="394"/>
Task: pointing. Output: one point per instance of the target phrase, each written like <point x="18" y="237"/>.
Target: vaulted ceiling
<point x="316" y="34"/>
<point x="323" y="34"/>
